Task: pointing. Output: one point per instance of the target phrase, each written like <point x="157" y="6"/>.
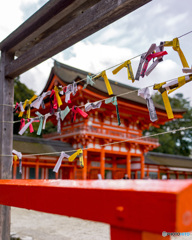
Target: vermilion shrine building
<point x="101" y="127"/>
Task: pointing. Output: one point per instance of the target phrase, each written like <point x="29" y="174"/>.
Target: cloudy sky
<point x="159" y="20"/>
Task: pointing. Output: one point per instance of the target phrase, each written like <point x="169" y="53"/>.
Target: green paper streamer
<point x="113" y="100"/>
<point x="40" y="124"/>
<point x="89" y="81"/>
<point x="64" y="113"/>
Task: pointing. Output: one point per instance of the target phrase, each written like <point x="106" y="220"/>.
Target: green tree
<point x="21" y="91"/>
<point x="178" y="143"/>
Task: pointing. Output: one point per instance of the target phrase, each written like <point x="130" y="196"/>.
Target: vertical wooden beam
<point x="6" y="138"/>
<point x="102" y="167"/>
<point x="85" y="164"/>
<point x="128" y="164"/>
<point x="142" y="166"/>
<point x="37" y="169"/>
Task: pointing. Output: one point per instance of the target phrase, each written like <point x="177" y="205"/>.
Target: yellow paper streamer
<point x="15" y="157"/>
<point x="126" y="64"/>
<point x="176" y="46"/>
<point x="27" y="102"/>
<point x="59" y="102"/>
<point x="181" y="82"/>
<point x="165" y="99"/>
<point x="103" y="74"/>
<point x="74" y="155"/>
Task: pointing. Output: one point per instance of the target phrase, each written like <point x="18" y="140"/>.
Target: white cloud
<point x="96" y="57"/>
<point x="175" y="20"/>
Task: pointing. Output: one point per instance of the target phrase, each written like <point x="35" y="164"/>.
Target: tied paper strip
<point x="41" y="122"/>
<point x="22" y="123"/>
<point x="88" y="81"/>
<point x="19" y="155"/>
<point x="27" y="102"/>
<point x="64" y="113"/>
<point x="71" y="88"/>
<point x="76" y="110"/>
<point x="58" y="117"/>
<point x="149" y="58"/>
<point x="160" y="48"/>
<point x="74" y="88"/>
<point x="68" y="91"/>
<point x="45" y="119"/>
<point x="142" y="60"/>
<point x="108" y="86"/>
<point x="58" y="164"/>
<point x="177" y="83"/>
<point x="126" y="64"/>
<point x="17" y="106"/>
<point x="144" y="93"/>
<point x="73" y="156"/>
<point x="29" y="124"/>
<point x="94" y="105"/>
<point x="113" y="100"/>
<point x="166" y="102"/>
<point x="39" y="101"/>
<point x="176" y="47"/>
<point x="56" y="98"/>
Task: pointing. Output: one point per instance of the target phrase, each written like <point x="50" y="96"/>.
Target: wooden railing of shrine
<point x="104" y="132"/>
<point x="135" y="209"/>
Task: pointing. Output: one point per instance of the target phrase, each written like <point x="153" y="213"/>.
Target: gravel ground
<point x="43" y="226"/>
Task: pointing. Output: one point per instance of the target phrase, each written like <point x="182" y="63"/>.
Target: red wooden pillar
<point x="37" y="169"/>
<point x="102" y="167"/>
<point x="85" y="164"/>
<point x="185" y="175"/>
<point x="142" y="166"/>
<point x="57" y="175"/>
<point x="129" y="164"/>
<point x="168" y="175"/>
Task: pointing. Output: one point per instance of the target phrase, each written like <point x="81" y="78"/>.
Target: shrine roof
<point x="69" y="74"/>
<point x="168" y="160"/>
<point x="34" y="145"/>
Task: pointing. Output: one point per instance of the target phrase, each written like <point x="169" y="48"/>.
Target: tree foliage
<point x="179" y="142"/>
<point x="21" y="91"/>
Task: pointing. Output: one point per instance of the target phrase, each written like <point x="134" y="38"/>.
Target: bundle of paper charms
<point x="155" y="53"/>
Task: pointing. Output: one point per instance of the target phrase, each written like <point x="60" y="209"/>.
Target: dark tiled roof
<point x="68" y="74"/>
<point x="32" y="145"/>
<point x="168" y="160"/>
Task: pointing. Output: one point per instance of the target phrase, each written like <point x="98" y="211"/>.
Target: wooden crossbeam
<point x="138" y="206"/>
<point x="91" y="20"/>
<point x="41" y="24"/>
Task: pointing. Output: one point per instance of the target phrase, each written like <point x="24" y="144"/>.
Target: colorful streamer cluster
<point x="155" y="53"/>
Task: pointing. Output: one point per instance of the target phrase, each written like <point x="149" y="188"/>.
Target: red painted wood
<point x="141" y="205"/>
<point x="124" y="234"/>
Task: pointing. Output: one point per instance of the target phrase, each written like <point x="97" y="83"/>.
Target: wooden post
<point x="85" y="164"/>
<point x="37" y="169"/>
<point x="102" y="163"/>
<point x="6" y="139"/>
<point x="142" y="166"/>
<point x="129" y="164"/>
